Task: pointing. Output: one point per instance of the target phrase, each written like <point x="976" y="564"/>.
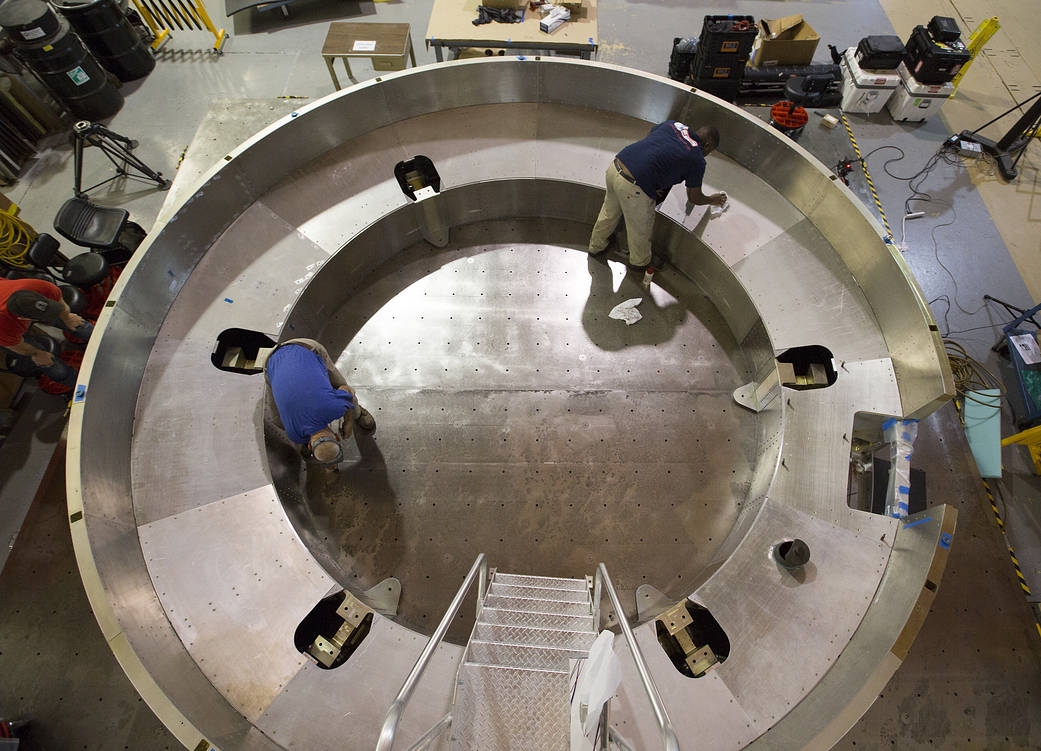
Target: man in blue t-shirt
<point x="642" y="175"/>
<point x="314" y="403"/>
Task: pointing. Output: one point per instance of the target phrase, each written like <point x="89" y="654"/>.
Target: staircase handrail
<point x="397" y="709"/>
<point x="668" y="736"/>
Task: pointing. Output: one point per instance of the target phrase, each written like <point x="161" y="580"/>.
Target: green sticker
<point x="78" y="76"/>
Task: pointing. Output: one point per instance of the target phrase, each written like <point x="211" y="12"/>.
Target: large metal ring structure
<point x="192" y="564"/>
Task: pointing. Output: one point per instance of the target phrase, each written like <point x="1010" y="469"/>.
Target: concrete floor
<point x="986" y="698"/>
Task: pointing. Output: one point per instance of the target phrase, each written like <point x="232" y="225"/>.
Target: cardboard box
<point x="514" y="4"/>
<point x="784" y="41"/>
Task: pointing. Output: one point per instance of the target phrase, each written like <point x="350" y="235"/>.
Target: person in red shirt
<point x="24" y="302"/>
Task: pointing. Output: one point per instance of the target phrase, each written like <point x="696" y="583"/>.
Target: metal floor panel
<point x="518" y="417"/>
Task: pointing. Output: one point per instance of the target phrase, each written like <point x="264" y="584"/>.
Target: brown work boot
<point x="365" y="421"/>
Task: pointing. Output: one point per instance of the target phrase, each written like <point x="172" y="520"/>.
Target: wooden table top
<point x="390" y="38"/>
<point x="452" y="21"/>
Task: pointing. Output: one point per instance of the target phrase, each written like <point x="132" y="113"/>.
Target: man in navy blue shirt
<point x="315" y="405"/>
<point x="640" y="178"/>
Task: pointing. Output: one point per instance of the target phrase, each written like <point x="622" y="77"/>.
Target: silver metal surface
<point x="478" y="572"/>
<point x="661" y="716"/>
<point x="304" y="232"/>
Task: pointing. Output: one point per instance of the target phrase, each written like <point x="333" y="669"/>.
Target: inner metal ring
<point x="515" y="415"/>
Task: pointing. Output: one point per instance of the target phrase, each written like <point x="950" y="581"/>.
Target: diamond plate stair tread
<point x="536" y="605"/>
<point x="522" y="580"/>
<point x="552" y="593"/>
<point x="545" y="637"/>
<point x="500" y="709"/>
<point x="522" y="655"/>
<point x="507" y="617"/>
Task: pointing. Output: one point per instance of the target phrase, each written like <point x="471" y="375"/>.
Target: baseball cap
<point x="28" y="304"/>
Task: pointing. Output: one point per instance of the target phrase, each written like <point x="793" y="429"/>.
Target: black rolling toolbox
<point x="944" y="29"/>
<point x="880" y="52"/>
<point x="718" y="66"/>
<point x="728" y="35"/>
<point x="724" y="88"/>
<point x="930" y="61"/>
<point x="682" y="58"/>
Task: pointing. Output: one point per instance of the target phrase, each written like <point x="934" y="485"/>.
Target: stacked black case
<point x="931" y="61"/>
<point x="880" y="52"/>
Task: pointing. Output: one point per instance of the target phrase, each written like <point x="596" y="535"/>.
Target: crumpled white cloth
<point x="597" y="683"/>
<point x="715" y="211"/>
<point x="626" y="311"/>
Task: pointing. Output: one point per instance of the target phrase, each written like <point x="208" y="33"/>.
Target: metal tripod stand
<point x="118" y="149"/>
<point x="1008" y="150"/>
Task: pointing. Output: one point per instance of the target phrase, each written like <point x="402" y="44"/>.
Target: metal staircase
<point x="513" y="688"/>
<point x="514" y="685"/>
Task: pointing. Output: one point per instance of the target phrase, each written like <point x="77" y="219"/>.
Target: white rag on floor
<point x="626" y="311"/>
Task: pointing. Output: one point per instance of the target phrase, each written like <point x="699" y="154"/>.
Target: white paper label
<point x="1027" y="347"/>
<point x="32" y="33"/>
<point x="364" y="45"/>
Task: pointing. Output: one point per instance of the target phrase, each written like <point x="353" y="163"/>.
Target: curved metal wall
<point x="101" y="489"/>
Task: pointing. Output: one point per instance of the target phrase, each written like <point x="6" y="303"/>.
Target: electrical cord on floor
<point x="15" y="236"/>
<point x="947" y="154"/>
<point x="970" y="374"/>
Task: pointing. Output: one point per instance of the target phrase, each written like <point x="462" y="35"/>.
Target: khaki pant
<point x="625" y="199"/>
<point x="336" y="379"/>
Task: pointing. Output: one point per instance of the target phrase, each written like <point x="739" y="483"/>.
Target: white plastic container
<point x="915" y="102"/>
<point x="865" y="90"/>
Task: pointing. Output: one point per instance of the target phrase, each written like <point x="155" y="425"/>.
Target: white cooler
<point x="865" y="90"/>
<point x="913" y="101"/>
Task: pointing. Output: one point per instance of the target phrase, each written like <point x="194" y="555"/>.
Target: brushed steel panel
<point x="322" y="708"/>
<point x="851" y="685"/>
<point x="818" y="426"/>
<point x="830" y="309"/>
<point x="819" y="607"/>
<point x="145" y="641"/>
<point x="236" y="604"/>
<point x="703" y="711"/>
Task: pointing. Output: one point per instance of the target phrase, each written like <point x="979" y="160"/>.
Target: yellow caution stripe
<point x="1001" y="526"/>
<point x="870" y="182"/>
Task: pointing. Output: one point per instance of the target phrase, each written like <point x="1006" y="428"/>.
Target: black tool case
<point x="930" y="61"/>
<point x="880" y="52"/>
<point x="944" y="29"/>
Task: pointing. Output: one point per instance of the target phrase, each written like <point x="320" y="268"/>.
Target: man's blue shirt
<point x="306" y="400"/>
<point x="669" y="155"/>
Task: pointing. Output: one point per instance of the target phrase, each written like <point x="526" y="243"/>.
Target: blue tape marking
<point x="908" y="457"/>
<point x="902" y="505"/>
<point x="896" y="515"/>
<point x="81" y="393"/>
<point x="228" y="299"/>
<point x="920" y="521"/>
<point x="905" y="436"/>
<point x="945" y="540"/>
<point x="904" y="490"/>
<point x="591" y="40"/>
<point x="889" y="423"/>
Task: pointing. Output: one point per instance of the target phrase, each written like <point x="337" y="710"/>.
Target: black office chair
<point x="108" y="231"/>
<point x="83" y="270"/>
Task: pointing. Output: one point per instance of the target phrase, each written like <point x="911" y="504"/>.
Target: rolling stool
<point x="807" y="91"/>
<point x="108" y="231"/>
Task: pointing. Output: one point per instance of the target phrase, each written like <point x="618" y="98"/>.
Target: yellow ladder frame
<point x="977" y="39"/>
